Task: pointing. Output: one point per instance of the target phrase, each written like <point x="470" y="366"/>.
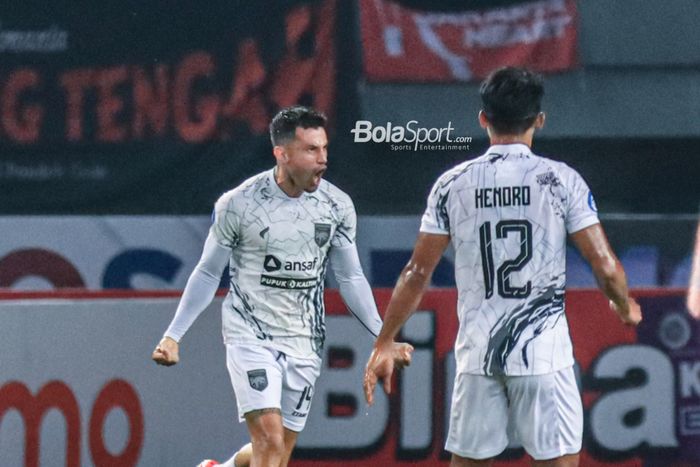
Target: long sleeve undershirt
<point x="204" y="281"/>
<point x="201" y="287"/>
<point x="354" y="288"/>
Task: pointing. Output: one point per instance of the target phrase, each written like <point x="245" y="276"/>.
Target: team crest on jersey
<point x="322" y="233"/>
<point x="257" y="379"/>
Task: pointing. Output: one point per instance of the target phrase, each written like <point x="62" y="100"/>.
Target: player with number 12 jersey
<point x="508" y="213"/>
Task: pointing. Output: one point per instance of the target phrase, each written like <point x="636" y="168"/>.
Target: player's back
<point x="508" y="213"/>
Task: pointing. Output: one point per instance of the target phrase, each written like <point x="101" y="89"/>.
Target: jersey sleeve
<point x="354" y="288"/>
<point x="225" y="226"/>
<point x="200" y="288"/>
<point x="436" y="219"/>
<point x="346" y="230"/>
<point x="581" y="209"/>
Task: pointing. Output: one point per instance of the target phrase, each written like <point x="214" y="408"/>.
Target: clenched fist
<point x="167" y="352"/>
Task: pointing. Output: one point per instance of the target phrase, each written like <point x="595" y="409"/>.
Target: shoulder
<point x="552" y="164"/>
<point x="335" y="196"/>
<point x="239" y="197"/>
<point x="549" y="171"/>
<point x="459" y="172"/>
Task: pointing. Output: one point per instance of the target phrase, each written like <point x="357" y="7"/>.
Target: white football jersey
<point x="508" y="213"/>
<point x="279" y="251"/>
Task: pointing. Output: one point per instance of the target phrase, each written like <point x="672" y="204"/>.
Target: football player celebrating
<point x="276" y="232"/>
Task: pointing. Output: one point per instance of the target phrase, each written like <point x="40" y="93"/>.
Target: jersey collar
<point x="515" y="148"/>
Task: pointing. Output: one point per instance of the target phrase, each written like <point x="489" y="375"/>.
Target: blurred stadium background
<point x="122" y="123"/>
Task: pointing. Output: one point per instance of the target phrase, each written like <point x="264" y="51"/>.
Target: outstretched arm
<point x="199" y="292"/>
<point x="594" y="246"/>
<point x="413" y="281"/>
<point x="357" y="295"/>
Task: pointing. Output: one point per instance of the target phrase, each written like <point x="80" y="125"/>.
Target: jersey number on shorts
<point x="503" y="228"/>
<point x="305" y="397"/>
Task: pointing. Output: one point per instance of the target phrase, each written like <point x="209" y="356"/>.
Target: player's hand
<point x="632" y="315"/>
<point x="167" y="352"/>
<point x="402" y="354"/>
<point x="379" y="366"/>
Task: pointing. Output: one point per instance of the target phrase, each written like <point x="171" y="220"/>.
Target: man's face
<point x="307" y="157"/>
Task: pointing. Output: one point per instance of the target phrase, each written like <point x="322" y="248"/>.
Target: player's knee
<point x="270" y="443"/>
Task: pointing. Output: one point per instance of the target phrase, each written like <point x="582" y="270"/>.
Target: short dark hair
<point x="284" y="125"/>
<point x="511" y="99"/>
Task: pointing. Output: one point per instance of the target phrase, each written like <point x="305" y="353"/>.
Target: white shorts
<point x="264" y="378"/>
<point x="546" y="411"/>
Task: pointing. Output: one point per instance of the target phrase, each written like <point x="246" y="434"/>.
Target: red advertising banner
<point x="640" y="386"/>
<point x="400" y="44"/>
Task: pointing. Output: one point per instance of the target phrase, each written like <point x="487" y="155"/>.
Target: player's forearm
<point x="357" y="295"/>
<point x="608" y="272"/>
<point x="612" y="281"/>
<point x="354" y="288"/>
<point x="404" y="301"/>
<point x="693" y="300"/>
<point x="198" y="294"/>
<point x="200" y="289"/>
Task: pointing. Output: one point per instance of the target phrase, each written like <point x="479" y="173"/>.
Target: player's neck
<point x="517" y="138"/>
<point x="511" y="139"/>
<point x="286" y="184"/>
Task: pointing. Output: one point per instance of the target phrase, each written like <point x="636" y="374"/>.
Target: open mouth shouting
<point x="317" y="176"/>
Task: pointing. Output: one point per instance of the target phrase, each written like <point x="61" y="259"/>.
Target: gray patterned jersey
<point x="279" y="251"/>
<point x="508" y="213"/>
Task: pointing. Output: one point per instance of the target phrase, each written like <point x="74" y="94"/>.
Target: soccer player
<point x="276" y="232"/>
<point x="507" y="214"/>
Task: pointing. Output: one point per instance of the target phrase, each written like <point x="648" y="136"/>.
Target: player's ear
<point x="539" y="120"/>
<point x="280" y="154"/>
<point x="483" y="120"/>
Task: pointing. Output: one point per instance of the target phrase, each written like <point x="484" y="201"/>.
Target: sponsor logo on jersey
<point x="288" y="282"/>
<point x="322" y="233"/>
<point x="271" y="263"/>
<point x="300" y="265"/>
<point x="257" y="379"/>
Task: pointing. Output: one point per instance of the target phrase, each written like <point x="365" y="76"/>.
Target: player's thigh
<point x="547" y="413"/>
<point x="478" y="417"/>
<point x="298" y="390"/>
<point x="256" y="376"/>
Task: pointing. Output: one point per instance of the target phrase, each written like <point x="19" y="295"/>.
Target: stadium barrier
<point x="77" y="383"/>
<point x="146" y="252"/>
